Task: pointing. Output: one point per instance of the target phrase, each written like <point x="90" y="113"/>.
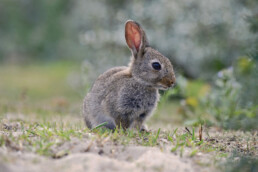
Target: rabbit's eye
<point x="156" y="66"/>
<point x="142" y="115"/>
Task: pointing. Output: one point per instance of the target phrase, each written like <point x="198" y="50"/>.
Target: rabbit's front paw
<point x="144" y="128"/>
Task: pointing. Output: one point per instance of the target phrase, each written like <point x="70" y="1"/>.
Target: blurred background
<point x="51" y="51"/>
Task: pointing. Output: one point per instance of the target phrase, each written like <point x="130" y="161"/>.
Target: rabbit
<point x="125" y="96"/>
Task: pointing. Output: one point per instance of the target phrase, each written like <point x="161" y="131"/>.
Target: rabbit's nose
<point x="172" y="81"/>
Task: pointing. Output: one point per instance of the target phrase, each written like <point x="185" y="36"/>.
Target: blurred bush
<point x="33" y="29"/>
<point x="240" y="163"/>
<point x="246" y="72"/>
<point x="200" y="37"/>
<point x="225" y="104"/>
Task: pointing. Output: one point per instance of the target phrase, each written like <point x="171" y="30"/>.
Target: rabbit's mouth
<point x="162" y="87"/>
<point x="167" y="82"/>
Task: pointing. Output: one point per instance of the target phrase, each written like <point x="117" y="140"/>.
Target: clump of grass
<point x="39" y="138"/>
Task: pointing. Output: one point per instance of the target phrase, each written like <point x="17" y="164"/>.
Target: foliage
<point x="239" y="163"/>
<point x="246" y="73"/>
<point x="223" y="103"/>
<point x="226" y="103"/>
<point x="33" y="29"/>
<point x="198" y="40"/>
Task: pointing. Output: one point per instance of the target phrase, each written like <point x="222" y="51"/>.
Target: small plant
<point x="230" y="103"/>
<point x="223" y="103"/>
<point x="239" y="163"/>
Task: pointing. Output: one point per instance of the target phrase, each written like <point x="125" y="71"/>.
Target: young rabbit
<point x="125" y="96"/>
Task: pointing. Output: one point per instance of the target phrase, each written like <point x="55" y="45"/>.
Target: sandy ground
<point x="94" y="155"/>
<point x="91" y="157"/>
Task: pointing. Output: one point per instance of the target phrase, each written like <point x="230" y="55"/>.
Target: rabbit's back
<point x="95" y="98"/>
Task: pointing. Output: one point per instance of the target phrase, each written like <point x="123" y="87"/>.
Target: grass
<point x="40" y="80"/>
<point x="40" y="138"/>
<point x="47" y="138"/>
<point x="39" y="88"/>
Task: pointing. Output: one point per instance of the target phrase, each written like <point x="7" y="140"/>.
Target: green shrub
<point x="224" y="103"/>
<point x="230" y="103"/>
<point x="239" y="163"/>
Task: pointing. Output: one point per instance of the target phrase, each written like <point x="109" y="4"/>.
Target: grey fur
<point x="127" y="95"/>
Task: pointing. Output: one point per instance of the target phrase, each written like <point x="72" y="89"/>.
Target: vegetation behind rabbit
<point x="125" y="96"/>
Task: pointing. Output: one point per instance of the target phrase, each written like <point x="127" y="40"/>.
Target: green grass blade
<point x="157" y="134"/>
<point x="100" y="125"/>
<point x="193" y="136"/>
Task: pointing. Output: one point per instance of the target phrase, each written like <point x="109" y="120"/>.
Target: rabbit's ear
<point x="135" y="37"/>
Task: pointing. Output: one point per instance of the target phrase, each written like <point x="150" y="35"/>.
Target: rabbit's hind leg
<point x="88" y="123"/>
<point x="100" y="119"/>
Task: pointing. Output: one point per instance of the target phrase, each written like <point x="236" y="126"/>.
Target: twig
<point x="88" y="147"/>
<point x="200" y="133"/>
<point x="188" y="131"/>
